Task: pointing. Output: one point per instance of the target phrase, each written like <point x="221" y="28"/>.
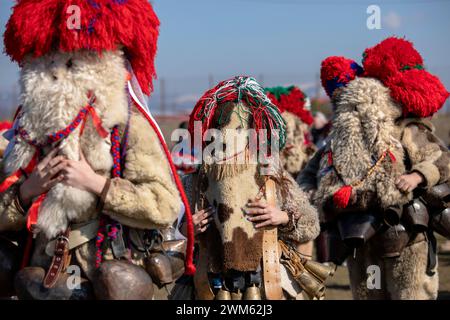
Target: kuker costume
<point x="294" y="107"/>
<point x="82" y="89"/>
<point x="379" y="133"/>
<point x="236" y="260"/>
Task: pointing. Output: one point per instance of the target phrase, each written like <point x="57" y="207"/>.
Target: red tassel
<point x="391" y="155"/>
<point x="97" y="123"/>
<point x="330" y="158"/>
<point x="8" y="182"/>
<point x="341" y="197"/>
<point x="189" y="263"/>
<point x="33" y="212"/>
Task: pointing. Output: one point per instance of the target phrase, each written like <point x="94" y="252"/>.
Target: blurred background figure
<point x="320" y="129"/>
<point x="183" y="154"/>
<point x="294" y="107"/>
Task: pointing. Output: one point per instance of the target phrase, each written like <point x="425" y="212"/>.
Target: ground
<point x="338" y="287"/>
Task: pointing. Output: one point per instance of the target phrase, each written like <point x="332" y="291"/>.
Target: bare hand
<point x="202" y="219"/>
<point x="43" y="177"/>
<point x="80" y="175"/>
<point x="265" y="215"/>
<point x="408" y="182"/>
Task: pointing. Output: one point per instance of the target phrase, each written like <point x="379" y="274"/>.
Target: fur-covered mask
<point x="55" y="87"/>
<point x="228" y="184"/>
<point x="364" y="132"/>
<point x="233" y="121"/>
<point x="297" y="151"/>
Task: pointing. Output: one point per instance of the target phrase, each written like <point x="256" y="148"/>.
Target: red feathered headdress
<point x="397" y="64"/>
<point x="37" y="27"/>
<point x="290" y="99"/>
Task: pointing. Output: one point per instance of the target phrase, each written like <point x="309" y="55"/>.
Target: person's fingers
<point x="54" y="182"/>
<point x="256" y="211"/>
<point x="196" y="219"/>
<point x="198" y="213"/>
<point x="205" y="214"/>
<point x="257" y="204"/>
<point x="259" y="218"/>
<point x="55" y="161"/>
<point x="206" y="221"/>
<point x="264" y="224"/>
<point x="82" y="157"/>
<point x="44" y="162"/>
<point x="55" y="170"/>
<point x="401" y="185"/>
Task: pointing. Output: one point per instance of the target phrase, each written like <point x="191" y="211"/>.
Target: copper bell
<point x="236" y="295"/>
<point x="252" y="293"/>
<point x="312" y="287"/>
<point x="223" y="294"/>
<point x="416" y="215"/>
<point x="319" y="270"/>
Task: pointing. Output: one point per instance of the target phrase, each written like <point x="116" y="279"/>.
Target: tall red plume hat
<point x="398" y="65"/>
<point x="290" y="99"/>
<point x="37" y="27"/>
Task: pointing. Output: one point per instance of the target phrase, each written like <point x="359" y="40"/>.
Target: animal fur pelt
<point x="402" y="278"/>
<point x="54" y="89"/>
<point x="363" y="129"/>
<point x="297" y="151"/>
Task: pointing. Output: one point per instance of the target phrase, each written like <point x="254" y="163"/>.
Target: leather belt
<point x="60" y="260"/>
<point x="271" y="257"/>
<point x="79" y="234"/>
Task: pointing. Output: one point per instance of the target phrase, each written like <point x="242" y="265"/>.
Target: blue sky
<point x="278" y="41"/>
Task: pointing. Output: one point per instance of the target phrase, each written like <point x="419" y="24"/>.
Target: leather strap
<point x="79" y="235"/>
<point x="60" y="260"/>
<point x="202" y="286"/>
<point x="271" y="258"/>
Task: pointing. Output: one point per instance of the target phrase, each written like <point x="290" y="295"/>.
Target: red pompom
<point x="5" y="125"/>
<point x="341" y="198"/>
<point x="420" y="93"/>
<point x="397" y="64"/>
<point x="336" y="72"/>
<point x="389" y="57"/>
<point x="39" y="27"/>
<point x="293" y="102"/>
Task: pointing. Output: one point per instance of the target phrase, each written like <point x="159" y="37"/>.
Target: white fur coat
<point x="54" y="89"/>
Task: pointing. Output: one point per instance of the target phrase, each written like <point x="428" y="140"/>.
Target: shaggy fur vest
<point x="52" y="96"/>
<point x="363" y="129"/>
<point x="232" y="240"/>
